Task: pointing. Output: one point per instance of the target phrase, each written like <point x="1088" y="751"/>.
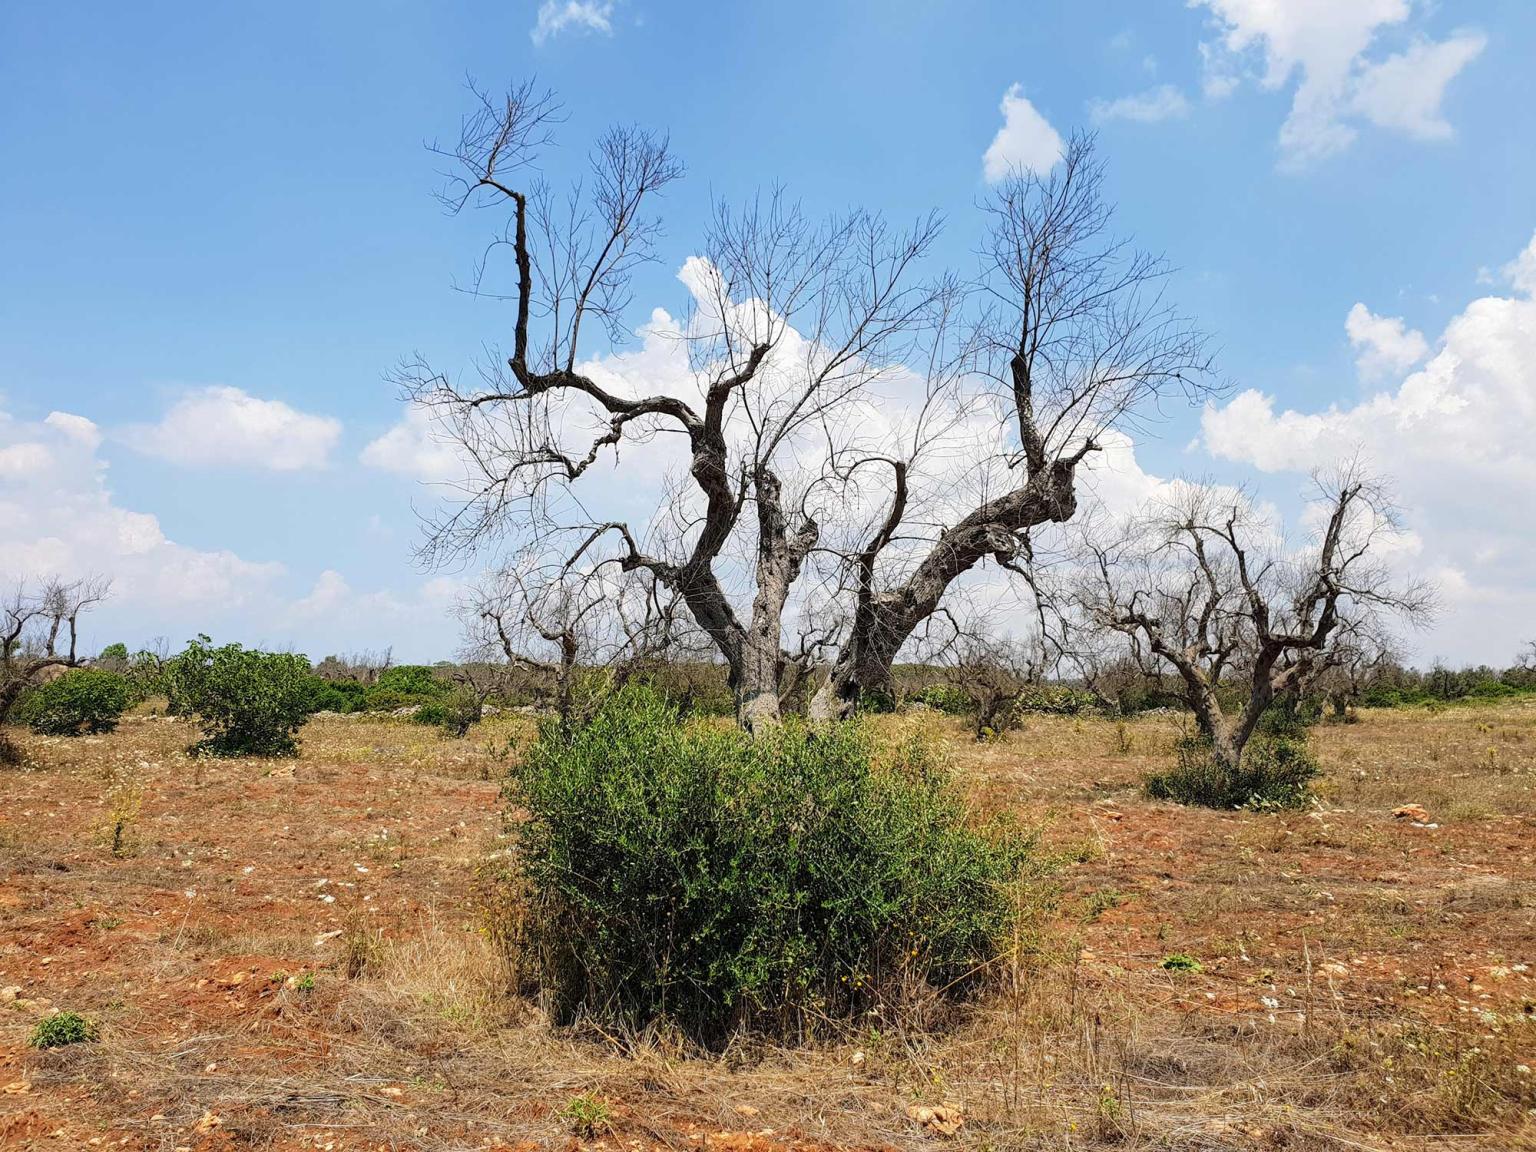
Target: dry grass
<point x="296" y="954"/>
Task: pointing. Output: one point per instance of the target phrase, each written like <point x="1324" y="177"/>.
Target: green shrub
<point x="943" y="698"/>
<point x="1055" y="700"/>
<point x="453" y="713"/>
<point x="81" y="700"/>
<point x="412" y="680"/>
<point x="695" y="874"/>
<point x="113" y="658"/>
<point x="1275" y="772"/>
<point x="61" y="1029"/>
<point x="335" y="695"/>
<point x="249" y="703"/>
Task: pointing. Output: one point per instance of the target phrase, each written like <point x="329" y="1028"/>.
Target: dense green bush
<point x="453" y="713"/>
<point x="695" y="874"/>
<point x="412" y="680"/>
<point x="1274" y="772"/>
<point x="1055" y="700"/>
<point x="335" y="695"/>
<point x="250" y="703"/>
<point x="81" y="700"/>
<point x="943" y="698"/>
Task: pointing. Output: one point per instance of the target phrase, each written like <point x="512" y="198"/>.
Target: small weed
<point x="1179" y="962"/>
<point x="588" y="1115"/>
<point x="1124" y="743"/>
<point x="62" y="1029"/>
<point x="1101" y="900"/>
<point x="305" y="983"/>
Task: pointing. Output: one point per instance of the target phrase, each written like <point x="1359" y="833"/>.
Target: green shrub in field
<point x="1055" y="700"/>
<point x="81" y="700"/>
<point x="335" y="695"/>
<point x="412" y="680"/>
<point x="62" y="1029"/>
<point x="453" y="713"/>
<point x="249" y="703"/>
<point x="1274" y="772"/>
<point x="722" y="882"/>
<point x="943" y="698"/>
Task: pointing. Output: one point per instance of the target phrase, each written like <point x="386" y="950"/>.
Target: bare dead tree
<point x="1357" y="654"/>
<point x="1210" y="589"/>
<point x="1076" y="338"/>
<point x="800" y="335"/>
<point x="39" y="631"/>
<point x="793" y="318"/>
<point x="992" y="672"/>
<point x="578" y="634"/>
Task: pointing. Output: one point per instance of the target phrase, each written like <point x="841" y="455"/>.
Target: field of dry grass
<point x="292" y="954"/>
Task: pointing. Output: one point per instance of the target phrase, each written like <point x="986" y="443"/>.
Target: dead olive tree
<point x="39" y="632"/>
<point x="574" y="634"/>
<point x="813" y="359"/>
<point x="1208" y="586"/>
<point x="1072" y="337"/>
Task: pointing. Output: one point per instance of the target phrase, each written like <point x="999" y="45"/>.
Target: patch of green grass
<point x="1179" y="962"/>
<point x="62" y="1029"/>
<point x="588" y="1115"/>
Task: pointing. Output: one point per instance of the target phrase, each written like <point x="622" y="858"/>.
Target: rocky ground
<point x="297" y="954"/>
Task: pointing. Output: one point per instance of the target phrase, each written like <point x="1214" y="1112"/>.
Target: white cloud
<point x="58" y="517"/>
<point x="416" y="446"/>
<point x="1383" y="344"/>
<point x="225" y="427"/>
<point x="1404" y="92"/>
<point x="1457" y="436"/>
<point x="1025" y="143"/>
<point x="1165" y="102"/>
<point x="1325" y="44"/>
<point x="556" y="17"/>
<point x="77" y="428"/>
<point x="1521" y="271"/>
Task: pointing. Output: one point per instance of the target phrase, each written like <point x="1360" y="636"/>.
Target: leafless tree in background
<point x="1210" y="589"/>
<point x="801" y="335"/>
<point x="574" y="635"/>
<point x="39" y="631"/>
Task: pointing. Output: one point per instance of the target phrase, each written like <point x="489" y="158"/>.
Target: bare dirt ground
<point x="294" y="955"/>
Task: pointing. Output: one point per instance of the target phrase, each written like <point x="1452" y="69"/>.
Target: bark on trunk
<point x="884" y="621"/>
<point x="780" y="554"/>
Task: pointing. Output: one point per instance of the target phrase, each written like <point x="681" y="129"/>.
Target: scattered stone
<point x="941" y="1119"/>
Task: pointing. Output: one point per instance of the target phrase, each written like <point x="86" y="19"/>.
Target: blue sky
<point x="200" y="198"/>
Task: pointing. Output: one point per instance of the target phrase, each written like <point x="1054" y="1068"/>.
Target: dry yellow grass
<point x="290" y="954"/>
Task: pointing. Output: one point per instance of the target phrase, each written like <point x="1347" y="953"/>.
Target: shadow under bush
<point x="1274" y="772"/>
<point x="726" y="883"/>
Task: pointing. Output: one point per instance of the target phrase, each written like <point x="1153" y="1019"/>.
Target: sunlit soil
<point x="296" y="954"/>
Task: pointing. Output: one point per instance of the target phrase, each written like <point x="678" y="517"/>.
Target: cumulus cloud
<point x="226" y="427"/>
<point x="1383" y="344"/>
<point x="1025" y="143"/>
<point x="1326" y="47"/>
<point x="1521" y="271"/>
<point x="1165" y="102"/>
<point x="1405" y="91"/>
<point x="58" y="516"/>
<point x="556" y="17"/>
<point x="417" y="446"/>
<point x="1456" y="435"/>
